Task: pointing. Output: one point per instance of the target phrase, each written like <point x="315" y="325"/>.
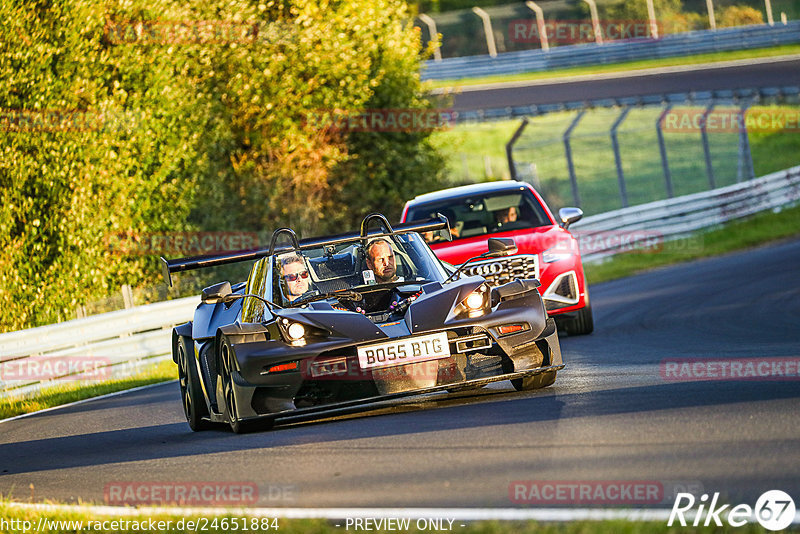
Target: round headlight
<point x="296" y="331"/>
<point x="475" y="301"/>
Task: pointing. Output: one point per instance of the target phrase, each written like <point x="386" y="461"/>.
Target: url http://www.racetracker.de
<point x="143" y="524"/>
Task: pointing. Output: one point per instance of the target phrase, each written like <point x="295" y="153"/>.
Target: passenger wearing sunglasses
<point x="296" y="277"/>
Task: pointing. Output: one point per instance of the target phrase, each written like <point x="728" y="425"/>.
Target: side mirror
<point x="501" y="246"/>
<point x="216" y="293"/>
<point x="569" y="216"/>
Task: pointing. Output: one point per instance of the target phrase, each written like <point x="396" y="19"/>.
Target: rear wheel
<point x="539" y="381"/>
<point x="194" y="406"/>
<point x="226" y="368"/>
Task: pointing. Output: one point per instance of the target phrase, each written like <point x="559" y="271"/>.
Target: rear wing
<point x="213" y="260"/>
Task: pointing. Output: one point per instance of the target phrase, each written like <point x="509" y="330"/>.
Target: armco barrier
<point x="144" y="332"/>
<point x="679" y="44"/>
<point x="677" y="217"/>
<point x="113" y="338"/>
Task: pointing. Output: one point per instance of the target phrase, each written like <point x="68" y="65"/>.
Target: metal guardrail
<point x="89" y="349"/>
<point x="117" y="339"/>
<point x="655" y="223"/>
<point x="696" y="97"/>
<point x="679" y="44"/>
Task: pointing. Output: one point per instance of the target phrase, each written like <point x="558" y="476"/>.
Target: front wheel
<point x="582" y="324"/>
<point x="542" y="380"/>
<point x="237" y="425"/>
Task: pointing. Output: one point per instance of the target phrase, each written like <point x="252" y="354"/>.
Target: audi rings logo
<point x="487" y="269"/>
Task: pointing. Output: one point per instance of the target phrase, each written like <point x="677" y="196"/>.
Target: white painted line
<point x="616" y="75"/>
<point x="464" y="514"/>
<point x="82" y="401"/>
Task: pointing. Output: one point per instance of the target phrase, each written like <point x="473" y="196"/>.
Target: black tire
<point x="237" y="425"/>
<point x="582" y="324"/>
<point x="194" y="405"/>
<point x="539" y="381"/>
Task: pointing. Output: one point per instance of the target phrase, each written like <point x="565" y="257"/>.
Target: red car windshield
<point x="476" y="215"/>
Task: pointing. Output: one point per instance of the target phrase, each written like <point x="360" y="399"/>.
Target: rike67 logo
<point x="774" y="510"/>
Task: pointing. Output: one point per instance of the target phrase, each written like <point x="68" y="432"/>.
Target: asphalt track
<point x="610" y="415"/>
<point x="628" y="84"/>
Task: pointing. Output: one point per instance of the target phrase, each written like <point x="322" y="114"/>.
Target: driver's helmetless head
<point x="380" y="260"/>
<point x="295" y="275"/>
<point x="507" y="215"/>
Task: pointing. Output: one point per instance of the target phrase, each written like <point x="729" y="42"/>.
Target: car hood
<point x="433" y="310"/>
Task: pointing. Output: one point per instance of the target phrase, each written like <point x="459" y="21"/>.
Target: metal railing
<point x="94" y="348"/>
<point x="681" y="44"/>
<point x="665" y="220"/>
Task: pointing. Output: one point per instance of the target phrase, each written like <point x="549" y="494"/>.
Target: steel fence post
<point x="487" y="29"/>
<point x="573" y="180"/>
<point x="431" y="24"/>
<point x="651" y="15"/>
<point x="539" y="24"/>
<point x="623" y="192"/>
<point x="512" y="168"/>
<point x="712" y="21"/>
<point x="598" y="33"/>
<point x="745" y="170"/>
<point x="662" y="147"/>
<point x="712" y="183"/>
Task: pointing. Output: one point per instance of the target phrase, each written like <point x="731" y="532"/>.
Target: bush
<point x="740" y="16"/>
<point x="183" y="132"/>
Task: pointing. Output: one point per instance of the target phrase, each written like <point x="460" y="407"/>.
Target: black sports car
<point x="328" y="324"/>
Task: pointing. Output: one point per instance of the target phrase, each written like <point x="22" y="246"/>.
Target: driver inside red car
<point x="508" y="219"/>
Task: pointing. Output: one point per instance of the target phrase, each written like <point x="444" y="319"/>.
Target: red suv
<point x="547" y="250"/>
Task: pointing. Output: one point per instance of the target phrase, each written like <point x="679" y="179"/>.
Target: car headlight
<point x="476" y="303"/>
<point x="293" y="332"/>
<point x="296" y="331"/>
<point x="559" y="251"/>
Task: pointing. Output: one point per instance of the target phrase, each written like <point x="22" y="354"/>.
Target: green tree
<point x="192" y="115"/>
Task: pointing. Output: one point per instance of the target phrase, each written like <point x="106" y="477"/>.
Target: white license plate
<point x="403" y="351"/>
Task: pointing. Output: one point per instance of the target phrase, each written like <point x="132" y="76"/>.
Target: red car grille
<point x="502" y="270"/>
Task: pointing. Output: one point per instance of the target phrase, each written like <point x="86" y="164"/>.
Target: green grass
<point x="321" y="526"/>
<point x="622" y="67"/>
<point x="750" y="232"/>
<point x="74" y="391"/>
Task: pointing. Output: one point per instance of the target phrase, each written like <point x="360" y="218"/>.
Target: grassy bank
<point x="623" y="67"/>
<point x="67" y="392"/>
<point x="753" y="231"/>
